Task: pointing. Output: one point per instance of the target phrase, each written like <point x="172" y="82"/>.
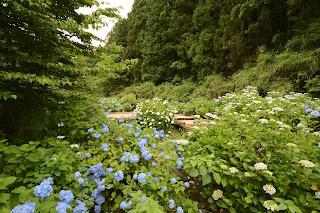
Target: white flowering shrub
<point x="262" y="154"/>
<point x="156" y="113"/>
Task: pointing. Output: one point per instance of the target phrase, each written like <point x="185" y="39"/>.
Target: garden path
<point x="179" y="119"/>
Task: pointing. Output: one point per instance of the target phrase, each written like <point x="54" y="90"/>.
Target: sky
<point x="102" y="32"/>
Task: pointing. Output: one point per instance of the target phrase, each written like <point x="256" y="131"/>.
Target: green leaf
<point x="46" y="205"/>
<point x="217" y="177"/>
<point x="193" y="172"/>
<point x="4" y="197"/>
<point x="282" y="206"/>
<point x="33" y="157"/>
<point x="19" y="190"/>
<point x="6" y="181"/>
<point x="206" y="179"/>
<point x="203" y="171"/>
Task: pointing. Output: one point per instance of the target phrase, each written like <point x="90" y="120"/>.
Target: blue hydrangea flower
<point x="173" y="141"/>
<point x="156" y="179"/>
<point x="66" y="196"/>
<point x="180" y="210"/>
<point x="61" y="207"/>
<point x="142" y="178"/>
<point x="317" y="107"/>
<point x="307" y="109"/>
<point x="173" y="180"/>
<point x="168" y="157"/>
<point x="179" y="164"/>
<point x="109" y="170"/>
<point x="120" y="140"/>
<point x="80" y="208"/>
<point x="129" y="132"/>
<point x="120" y="121"/>
<point x="77" y="174"/>
<point x="143" y="199"/>
<point x="148" y="157"/>
<point x="187" y="184"/>
<point x="134" y="159"/>
<point x="126" y="157"/>
<point x="122" y="124"/>
<point x="153" y="146"/>
<point x="55" y="159"/>
<point x="153" y="164"/>
<point x="163" y="189"/>
<point x="80" y="180"/>
<point x="172" y="204"/>
<point x="142" y="143"/>
<point x="105" y="129"/>
<point x="140" y="119"/>
<point x="118" y="176"/>
<point x="167" y="135"/>
<point x="97" y="135"/>
<point x="124" y="205"/>
<point x="97" y="171"/>
<point x="97" y="208"/>
<point x="135" y="176"/>
<point x="90" y="130"/>
<point x="315" y="114"/>
<point x="137" y="135"/>
<point x="104" y="147"/>
<point x="88" y="155"/>
<point x="48" y="180"/>
<point x="149" y="174"/>
<point x="28" y="207"/>
<point x="43" y="190"/>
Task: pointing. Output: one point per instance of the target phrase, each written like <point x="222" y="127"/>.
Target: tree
<point x="38" y="39"/>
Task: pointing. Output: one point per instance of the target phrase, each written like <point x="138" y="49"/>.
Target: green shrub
<point x="156" y="113"/>
<point x="261" y="153"/>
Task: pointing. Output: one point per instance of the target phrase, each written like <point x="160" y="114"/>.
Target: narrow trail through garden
<point x="186" y="122"/>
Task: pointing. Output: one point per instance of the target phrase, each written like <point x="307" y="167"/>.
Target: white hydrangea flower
<point x="182" y="142"/>
<point x="316" y="133"/>
<point x="307" y="163"/>
<point x="79" y="153"/>
<point x="60" y="124"/>
<point x="277" y="109"/>
<point x="233" y="170"/>
<point x="217" y="194"/>
<point x="317" y="194"/>
<point x="300" y="125"/>
<point x="264" y="121"/>
<point x="260" y="166"/>
<point x="74" y="146"/>
<point x="61" y="137"/>
<point x="243" y="120"/>
<point x="197" y="116"/>
<point x="269" y="189"/>
<point x="270" y="205"/>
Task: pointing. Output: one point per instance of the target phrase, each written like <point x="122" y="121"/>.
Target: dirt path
<point x="181" y="120"/>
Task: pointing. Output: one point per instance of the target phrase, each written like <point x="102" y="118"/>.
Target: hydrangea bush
<point x="262" y="154"/>
<point x="156" y="113"/>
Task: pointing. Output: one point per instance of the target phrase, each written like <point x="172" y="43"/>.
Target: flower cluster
<point x="28" y="207"/>
<point x="260" y="166"/>
<point x="307" y="163"/>
<point x="217" y="194"/>
<point x="269" y="189"/>
<point x="44" y="189"/>
<point x="270" y="205"/>
<point x="66" y="197"/>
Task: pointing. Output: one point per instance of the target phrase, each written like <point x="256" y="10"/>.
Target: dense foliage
<point x="179" y="39"/>
<point x="38" y="40"/>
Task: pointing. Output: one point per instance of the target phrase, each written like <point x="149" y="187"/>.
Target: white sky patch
<point x="102" y="32"/>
